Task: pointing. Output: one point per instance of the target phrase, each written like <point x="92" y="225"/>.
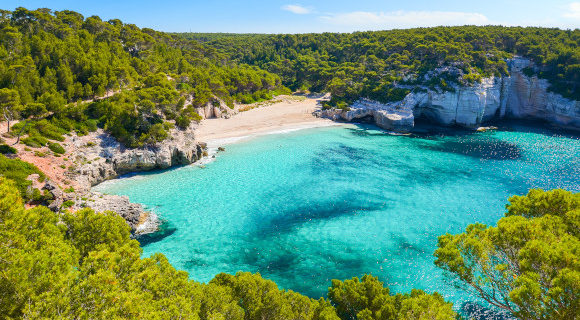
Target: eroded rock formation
<point x="515" y="96"/>
<point x="101" y="157"/>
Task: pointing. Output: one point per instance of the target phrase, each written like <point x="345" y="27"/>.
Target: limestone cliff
<point x="515" y="96"/>
<point x="101" y="157"/>
<point x="215" y="108"/>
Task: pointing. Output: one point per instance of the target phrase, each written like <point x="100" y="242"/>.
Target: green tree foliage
<point x="366" y="298"/>
<point x="529" y="264"/>
<point x="9" y="105"/>
<point x="60" y="59"/>
<point x="370" y="64"/>
<point x="18" y="170"/>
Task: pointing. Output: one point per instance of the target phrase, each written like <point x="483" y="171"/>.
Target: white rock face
<point x="216" y="109"/>
<point x="516" y="96"/>
<point x="101" y="157"/>
<point x="396" y="117"/>
<point x="529" y="98"/>
<point x="466" y="106"/>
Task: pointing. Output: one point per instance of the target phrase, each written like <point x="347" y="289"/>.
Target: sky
<point x="273" y="16"/>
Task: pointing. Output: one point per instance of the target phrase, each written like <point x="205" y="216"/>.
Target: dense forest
<point x="62" y="72"/>
<point x="386" y="65"/>
<point x="54" y="64"/>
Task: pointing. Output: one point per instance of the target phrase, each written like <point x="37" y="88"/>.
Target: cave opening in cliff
<point x="366" y="119"/>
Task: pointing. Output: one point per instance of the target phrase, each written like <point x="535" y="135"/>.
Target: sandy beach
<point x="287" y="115"/>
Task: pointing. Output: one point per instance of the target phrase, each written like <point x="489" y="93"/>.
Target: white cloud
<point x="573" y="11"/>
<point x="297" y="9"/>
<point x="403" y="19"/>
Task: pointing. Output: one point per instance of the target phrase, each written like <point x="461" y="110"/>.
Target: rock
<point x="99" y="157"/>
<point x="33" y="177"/>
<point x="221" y="149"/>
<point x="217" y="112"/>
<point x="133" y="213"/>
<point x="484" y="129"/>
<point x="109" y="159"/>
<point x="57" y="195"/>
<point x="396" y="117"/>
<point x="516" y="96"/>
<point x="215" y="108"/>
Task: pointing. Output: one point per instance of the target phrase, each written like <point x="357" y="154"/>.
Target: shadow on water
<point x="165" y="230"/>
<point x="403" y="246"/>
<point x="287" y="220"/>
<point x="451" y="140"/>
<point x="279" y="260"/>
<point x="344" y="160"/>
<point x="480" y="147"/>
<point x="425" y="129"/>
<point x="151" y="172"/>
<point x="366" y="130"/>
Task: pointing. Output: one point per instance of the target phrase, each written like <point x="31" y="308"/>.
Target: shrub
<point x="18" y="170"/>
<point x="56" y="148"/>
<point x="182" y="122"/>
<point x="35" y="141"/>
<point x="68" y="204"/>
<point x="6" y="149"/>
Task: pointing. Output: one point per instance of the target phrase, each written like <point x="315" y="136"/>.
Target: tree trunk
<point x="20" y="133"/>
<point x="7" y="122"/>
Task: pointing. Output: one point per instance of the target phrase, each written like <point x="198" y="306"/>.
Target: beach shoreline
<point x="285" y="116"/>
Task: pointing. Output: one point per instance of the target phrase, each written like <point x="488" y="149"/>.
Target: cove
<point x="309" y="206"/>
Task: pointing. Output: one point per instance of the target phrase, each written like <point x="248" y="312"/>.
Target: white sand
<point x="288" y="115"/>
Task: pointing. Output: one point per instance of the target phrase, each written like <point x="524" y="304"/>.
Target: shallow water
<point x="331" y="203"/>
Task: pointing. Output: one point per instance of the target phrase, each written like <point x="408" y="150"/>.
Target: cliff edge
<point x="516" y="96"/>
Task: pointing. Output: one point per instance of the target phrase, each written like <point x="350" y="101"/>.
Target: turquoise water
<point x="331" y="203"/>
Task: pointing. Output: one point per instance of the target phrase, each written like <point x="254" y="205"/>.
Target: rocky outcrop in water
<point x="396" y="116"/>
<point x="133" y="213"/>
<point x="516" y="96"/>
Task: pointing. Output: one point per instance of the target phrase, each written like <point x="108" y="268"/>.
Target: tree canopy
<point x="372" y="64"/>
<point x="529" y="264"/>
<point x="65" y="62"/>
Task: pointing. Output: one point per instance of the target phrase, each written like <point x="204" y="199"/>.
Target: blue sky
<point x="272" y="16"/>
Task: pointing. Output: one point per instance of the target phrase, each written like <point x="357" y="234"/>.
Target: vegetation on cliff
<point x="50" y="62"/>
<point x="371" y="64"/>
<point x="18" y="171"/>
<point x="55" y="65"/>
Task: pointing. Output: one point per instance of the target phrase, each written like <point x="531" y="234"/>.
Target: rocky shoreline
<point x="516" y="96"/>
<point x="98" y="157"/>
